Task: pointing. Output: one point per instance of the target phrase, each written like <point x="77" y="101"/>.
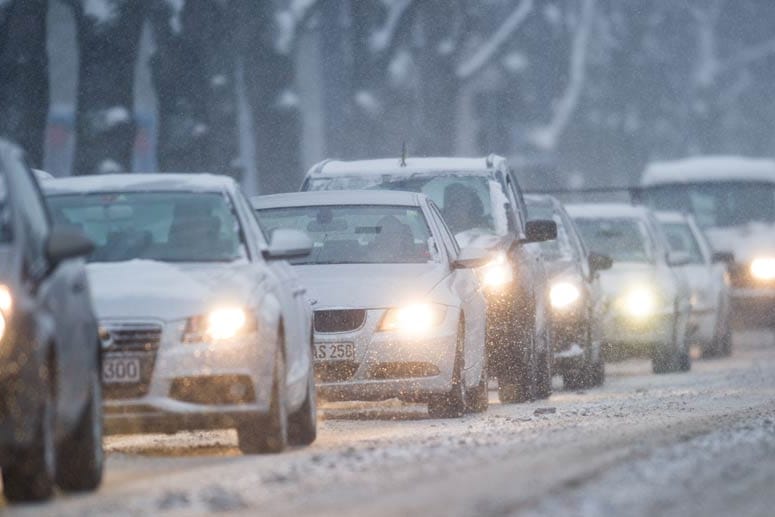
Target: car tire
<point x="453" y="403"/>
<point x="516" y="377"/>
<point x="684" y="361"/>
<point x="31" y="476"/>
<point x="598" y="372"/>
<point x="80" y="457"/>
<point x="303" y="423"/>
<point x="268" y="433"/>
<point x="665" y="360"/>
<point x="479" y="397"/>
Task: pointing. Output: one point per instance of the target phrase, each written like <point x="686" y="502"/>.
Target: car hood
<point x="624" y="275"/>
<point x="746" y="242"/>
<point x="369" y="285"/>
<point x="479" y="239"/>
<point x="165" y="291"/>
<point x="561" y="268"/>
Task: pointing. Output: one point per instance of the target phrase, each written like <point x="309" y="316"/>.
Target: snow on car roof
<point x="200" y="182"/>
<point x="709" y="169"/>
<point x="542" y="199"/>
<point x="606" y="210"/>
<point x="671" y="217"/>
<point x="413" y="165"/>
<point x="338" y="197"/>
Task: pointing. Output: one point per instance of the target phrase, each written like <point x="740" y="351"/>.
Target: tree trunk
<point x="335" y="71"/>
<point x="193" y="74"/>
<point x="108" y="39"/>
<point x="24" y="75"/>
<point x="270" y="88"/>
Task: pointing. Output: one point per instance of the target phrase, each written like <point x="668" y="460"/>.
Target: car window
<point x="164" y="226"/>
<point x="357" y="234"/>
<point x="681" y="238"/>
<point x="562" y="247"/>
<point x="622" y="239"/>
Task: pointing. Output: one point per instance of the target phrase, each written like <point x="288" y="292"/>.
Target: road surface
<point x="701" y="443"/>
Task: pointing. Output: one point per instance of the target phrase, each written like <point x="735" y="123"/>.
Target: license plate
<point x="120" y="370"/>
<point x="334" y="352"/>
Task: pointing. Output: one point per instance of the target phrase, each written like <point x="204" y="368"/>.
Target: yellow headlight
<point x="497" y="273"/>
<point x="564" y="294"/>
<point x="225" y="323"/>
<point x="415" y="318"/>
<point x="2" y="325"/>
<point x="6" y="300"/>
<point x="640" y="302"/>
<point x="763" y="268"/>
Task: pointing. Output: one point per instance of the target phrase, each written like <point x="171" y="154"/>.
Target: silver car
<point x="201" y="325"/>
<point x="398" y="310"/>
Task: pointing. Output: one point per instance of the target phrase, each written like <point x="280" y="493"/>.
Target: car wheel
<point x="31" y="476"/>
<point x="453" y="403"/>
<point x="516" y="378"/>
<point x="80" y="457"/>
<point x="724" y="346"/>
<point x="665" y="360"/>
<point x="268" y="433"/>
<point x="303" y="424"/>
<point x="684" y="361"/>
<point x="598" y="372"/>
<point x="479" y="397"/>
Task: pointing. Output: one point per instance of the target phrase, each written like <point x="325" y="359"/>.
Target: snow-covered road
<point x="678" y="444"/>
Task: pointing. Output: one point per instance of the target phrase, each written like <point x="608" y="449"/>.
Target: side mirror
<point x="471" y="257"/>
<point x="64" y="243"/>
<point x="599" y="262"/>
<point x="288" y="244"/>
<point x="723" y="256"/>
<point x="678" y="258"/>
<point x="540" y="230"/>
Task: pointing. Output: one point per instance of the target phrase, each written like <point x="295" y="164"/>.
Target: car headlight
<point x="763" y="268"/>
<point x="415" y="318"/>
<point x="6" y="306"/>
<point x="640" y="302"/>
<point x="564" y="294"/>
<point x="219" y="324"/>
<point x="497" y="274"/>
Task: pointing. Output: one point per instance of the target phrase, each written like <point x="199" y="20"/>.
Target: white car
<point x="708" y="280"/>
<point x="733" y="201"/>
<point x="399" y="313"/>
<point x="202" y="327"/>
<point x="648" y="294"/>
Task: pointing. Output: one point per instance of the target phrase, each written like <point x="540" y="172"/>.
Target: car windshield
<point x="681" y="238"/>
<point x="622" y="239"/>
<point x="468" y="202"/>
<point x="555" y="249"/>
<point x="732" y="203"/>
<point x="165" y="226"/>
<point x="357" y="234"/>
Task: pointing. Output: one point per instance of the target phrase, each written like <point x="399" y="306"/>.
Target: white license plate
<point x="334" y="352"/>
<point x="120" y="370"/>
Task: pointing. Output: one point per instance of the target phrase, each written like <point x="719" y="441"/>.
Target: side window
<point x="35" y="217"/>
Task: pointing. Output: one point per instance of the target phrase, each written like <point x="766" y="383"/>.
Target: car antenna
<point x="402" y="163"/>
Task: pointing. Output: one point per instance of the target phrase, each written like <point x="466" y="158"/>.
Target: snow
<point x="288" y="22"/>
<point x="499" y="200"/>
<point x="709" y="169"/>
<point x="199" y="182"/>
<point x="101" y="11"/>
<point x="116" y="115"/>
<point x="218" y="80"/>
<point x="109" y="166"/>
<point x="381" y="40"/>
<point x="400" y="69"/>
<point x="366" y="101"/>
<point x="338" y="197"/>
<point x="515" y="62"/>
<point x="392" y="165"/>
<point x="605" y="210"/>
<point x="288" y="99"/>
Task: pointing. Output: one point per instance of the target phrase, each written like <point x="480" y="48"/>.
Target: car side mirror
<point x="678" y="258"/>
<point x="471" y="257"/>
<point x="286" y="244"/>
<point x="540" y="230"/>
<point x="599" y="262"/>
<point x="65" y="243"/>
<point x="723" y="256"/>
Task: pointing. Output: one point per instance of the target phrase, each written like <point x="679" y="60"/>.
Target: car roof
<point x="709" y="169"/>
<point x="671" y="217"/>
<point x="542" y="199"/>
<point x="438" y="165"/>
<point x="338" y="197"/>
<point x="197" y="182"/>
<point x="606" y="210"/>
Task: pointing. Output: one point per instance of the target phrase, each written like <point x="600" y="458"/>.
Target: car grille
<point x="339" y="320"/>
<point x="139" y="340"/>
<point x="335" y="371"/>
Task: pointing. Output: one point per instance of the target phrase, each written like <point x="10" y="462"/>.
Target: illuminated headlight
<point x="640" y="303"/>
<point x="564" y="294"/>
<point x="220" y="324"/>
<point x="415" y="318"/>
<point x="763" y="268"/>
<point x="2" y="325"/>
<point x="6" y="306"/>
<point x="497" y="273"/>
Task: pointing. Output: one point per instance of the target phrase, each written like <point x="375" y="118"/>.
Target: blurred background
<point x="575" y="92"/>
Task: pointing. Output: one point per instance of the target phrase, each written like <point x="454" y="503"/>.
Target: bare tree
<point x="24" y="75"/>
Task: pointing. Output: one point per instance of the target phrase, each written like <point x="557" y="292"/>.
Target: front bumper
<point x="569" y="341"/>
<point x="625" y="335"/>
<point x="389" y="364"/>
<point x="193" y="385"/>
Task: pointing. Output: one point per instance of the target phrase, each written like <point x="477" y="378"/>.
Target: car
<point x="732" y="199"/>
<point x="50" y="394"/>
<point x="203" y="323"/>
<point x="708" y="279"/>
<point x="576" y="297"/>
<point x="648" y="293"/>
<point x="399" y="311"/>
<point x="483" y="206"/>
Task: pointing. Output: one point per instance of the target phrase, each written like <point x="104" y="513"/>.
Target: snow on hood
<point x="478" y="238"/>
<point x="746" y="242"/>
<point x="624" y="275"/>
<point x="169" y="292"/>
<point x="369" y="285"/>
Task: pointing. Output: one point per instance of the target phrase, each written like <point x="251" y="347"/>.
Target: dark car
<point x="482" y="204"/>
<point x="575" y="296"/>
<point x="50" y="395"/>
